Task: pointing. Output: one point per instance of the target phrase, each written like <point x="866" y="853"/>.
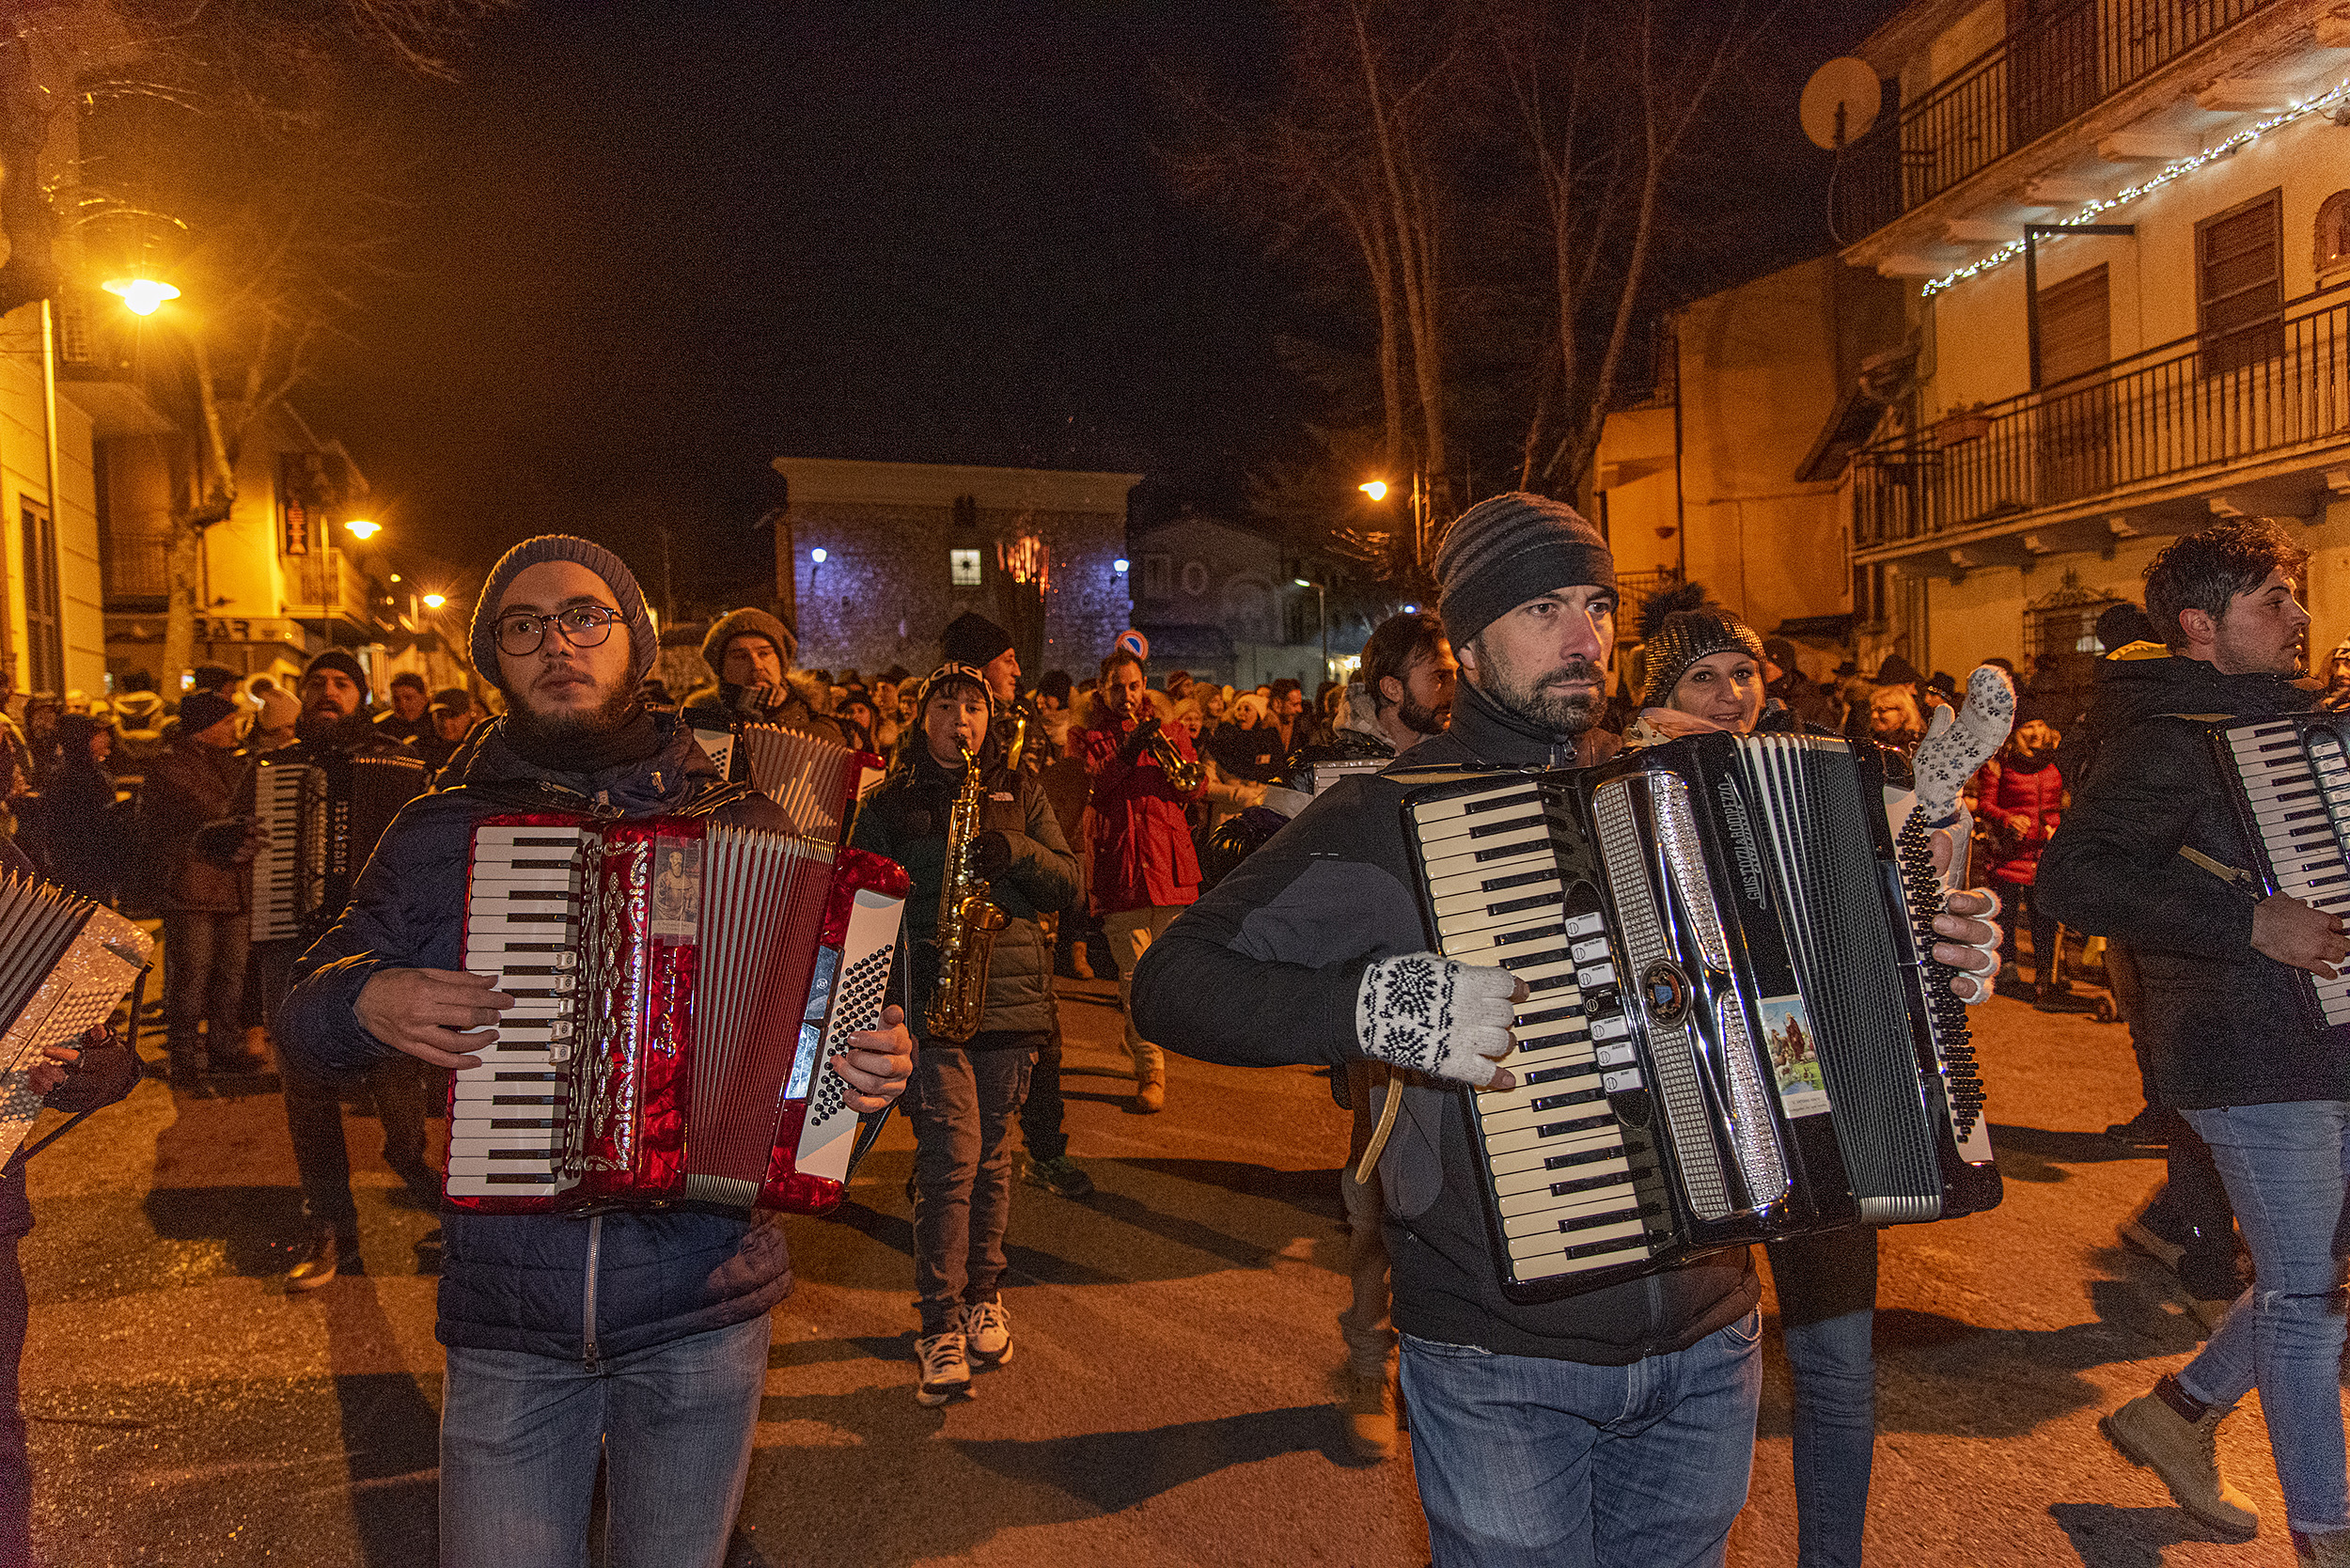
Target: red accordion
<point x="680" y="988"/>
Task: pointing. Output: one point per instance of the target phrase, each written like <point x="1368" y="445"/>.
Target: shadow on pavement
<point x="2034" y="1154"/>
<point x="254" y="1222"/>
<point x="2109" y="1536"/>
<point x="897" y="1236"/>
<point x="1113" y="1471"/>
<point x="1315" y="1192"/>
<point x="390" y="1431"/>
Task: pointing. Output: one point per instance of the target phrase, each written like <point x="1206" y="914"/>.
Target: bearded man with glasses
<point x="626" y="1337"/>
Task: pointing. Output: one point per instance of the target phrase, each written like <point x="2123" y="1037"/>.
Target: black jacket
<point x="906" y="821"/>
<point x="519" y="1281"/>
<point x="1263" y="971"/>
<point x="2219" y="1019"/>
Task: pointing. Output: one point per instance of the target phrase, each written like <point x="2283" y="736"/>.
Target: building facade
<point x="2077" y="399"/>
<point x="1218" y="601"/>
<point x="872" y="560"/>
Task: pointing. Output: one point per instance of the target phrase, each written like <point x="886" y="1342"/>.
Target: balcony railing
<point x="325" y="584"/>
<point x="136" y="568"/>
<point x="2175" y="412"/>
<point x="2052" y="69"/>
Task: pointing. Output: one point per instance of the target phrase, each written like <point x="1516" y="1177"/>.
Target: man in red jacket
<point x="1144" y="868"/>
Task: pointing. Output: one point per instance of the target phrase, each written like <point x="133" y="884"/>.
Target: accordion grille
<point x="1834" y="892"/>
<point x="1688" y="1128"/>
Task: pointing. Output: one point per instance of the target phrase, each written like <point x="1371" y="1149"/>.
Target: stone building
<point x="872" y="559"/>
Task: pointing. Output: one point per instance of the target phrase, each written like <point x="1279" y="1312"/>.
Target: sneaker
<point x="1059" y="1175"/>
<point x="1370" y="1416"/>
<point x="2185" y="1455"/>
<point x="946" y="1371"/>
<point x="2143" y="1238"/>
<point x="987" y="1331"/>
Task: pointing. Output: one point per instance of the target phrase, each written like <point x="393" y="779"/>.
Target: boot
<point x="244" y="1057"/>
<point x="1079" y="964"/>
<point x="2329" y="1550"/>
<point x="1370" y="1416"/>
<point x="2152" y="1430"/>
<point x="1151" y="1093"/>
<point x="319" y="1264"/>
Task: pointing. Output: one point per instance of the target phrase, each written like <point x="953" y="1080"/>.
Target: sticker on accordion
<point x="677" y="888"/>
<point x="1792" y="1047"/>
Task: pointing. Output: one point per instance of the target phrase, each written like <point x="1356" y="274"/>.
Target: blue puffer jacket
<point x="579" y="1287"/>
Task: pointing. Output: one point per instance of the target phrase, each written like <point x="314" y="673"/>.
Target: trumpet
<point x="1182" y="772"/>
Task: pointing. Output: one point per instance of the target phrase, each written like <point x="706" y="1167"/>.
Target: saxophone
<point x="967" y="923"/>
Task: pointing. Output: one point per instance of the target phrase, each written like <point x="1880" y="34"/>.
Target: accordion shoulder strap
<point x="716" y="798"/>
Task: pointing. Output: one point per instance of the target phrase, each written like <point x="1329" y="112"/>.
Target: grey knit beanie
<point x="1507" y="549"/>
<point x="756" y="622"/>
<point x="644" y="642"/>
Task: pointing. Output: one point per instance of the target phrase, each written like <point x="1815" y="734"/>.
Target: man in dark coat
<point x="750" y="653"/>
<point x="407" y="719"/>
<point x="2151" y="854"/>
<point x="632" y="1338"/>
<point x="1614" y="1425"/>
<point x="188" y="819"/>
<point x="338" y="721"/>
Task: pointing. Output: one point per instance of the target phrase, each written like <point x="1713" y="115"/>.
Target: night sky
<point x="645" y="245"/>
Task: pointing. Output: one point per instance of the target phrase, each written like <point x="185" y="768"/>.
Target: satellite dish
<point x="1841" y="102"/>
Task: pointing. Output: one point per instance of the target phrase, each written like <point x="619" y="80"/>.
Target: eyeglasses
<point x="587" y="626"/>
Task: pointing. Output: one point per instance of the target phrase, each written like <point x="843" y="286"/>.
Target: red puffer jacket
<point x="2018" y="806"/>
<point x="1138" y="837"/>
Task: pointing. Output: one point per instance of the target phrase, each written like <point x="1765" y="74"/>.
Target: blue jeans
<point x="1827" y="1296"/>
<point x="1525" y="1462"/>
<point x="2287" y="1168"/>
<point x="521" y="1435"/>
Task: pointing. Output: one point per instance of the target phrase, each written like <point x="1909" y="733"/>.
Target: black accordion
<point x="323" y="815"/>
<point x="2292" y="793"/>
<point x="1734" y="1032"/>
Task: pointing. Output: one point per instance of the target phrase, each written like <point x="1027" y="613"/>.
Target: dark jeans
<point x="962" y="1169"/>
<point x="2025" y="912"/>
<point x="1041" y="1112"/>
<point x="204" y="960"/>
<point x="1827" y="1292"/>
<point x="2192" y="1209"/>
<point x="314" y="1114"/>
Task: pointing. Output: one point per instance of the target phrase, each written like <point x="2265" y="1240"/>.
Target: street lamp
<point x="142" y="296"/>
<point x="363" y="529"/>
<point x="1321" y="610"/>
<point x="1376" y="488"/>
<point x="434" y="601"/>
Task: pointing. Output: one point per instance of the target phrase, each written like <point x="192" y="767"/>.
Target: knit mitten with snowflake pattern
<point x="1435" y="1016"/>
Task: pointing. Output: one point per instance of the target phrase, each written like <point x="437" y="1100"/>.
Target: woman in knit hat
<point x="1703" y="668"/>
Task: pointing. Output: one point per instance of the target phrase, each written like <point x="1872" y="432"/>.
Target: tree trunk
<point x="183" y="577"/>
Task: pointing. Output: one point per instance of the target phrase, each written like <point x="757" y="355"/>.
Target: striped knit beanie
<point x="1678" y="628"/>
<point x="644" y="642"/>
<point x="1507" y="549"/>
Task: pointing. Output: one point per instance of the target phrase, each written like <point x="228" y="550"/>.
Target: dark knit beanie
<point x="974" y="640"/>
<point x="758" y="624"/>
<point x="1678" y="628"/>
<point x="949" y="677"/>
<point x="644" y="642"/>
<point x="336" y="658"/>
<point x="1507" y="549"/>
<point x="200" y="711"/>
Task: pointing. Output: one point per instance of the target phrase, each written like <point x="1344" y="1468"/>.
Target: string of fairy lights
<point x="2339" y="94"/>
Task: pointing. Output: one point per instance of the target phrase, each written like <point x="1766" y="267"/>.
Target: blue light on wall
<point x="817" y="554"/>
<point x="1118" y="565"/>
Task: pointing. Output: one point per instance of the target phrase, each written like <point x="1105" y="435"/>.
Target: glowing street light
<point x="361" y="529"/>
<point x="434" y="601"/>
<point x="1375" y="489"/>
<point x="817" y="554"/>
<point x="143" y="296"/>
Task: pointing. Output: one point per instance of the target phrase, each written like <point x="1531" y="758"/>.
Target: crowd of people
<point x="1256" y="906"/>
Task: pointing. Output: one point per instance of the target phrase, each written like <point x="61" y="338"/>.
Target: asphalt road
<point x="1170" y="1401"/>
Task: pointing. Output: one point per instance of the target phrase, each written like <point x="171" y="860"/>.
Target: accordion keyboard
<point x="1562" y="1166"/>
<point x="2296" y="787"/>
<point x="276" y="804"/>
<point x="506" y="1116"/>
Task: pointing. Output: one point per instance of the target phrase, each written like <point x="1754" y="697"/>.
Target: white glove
<point x="1435" y="1016"/>
<point x="1956" y="747"/>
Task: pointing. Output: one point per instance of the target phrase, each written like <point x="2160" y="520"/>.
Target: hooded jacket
<point x="1263" y="972"/>
<point x="2219" y="1020"/>
<point x="906" y="819"/>
<point x="521" y="1282"/>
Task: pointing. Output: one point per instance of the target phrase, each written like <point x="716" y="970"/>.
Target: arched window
<point x="2333" y="234"/>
